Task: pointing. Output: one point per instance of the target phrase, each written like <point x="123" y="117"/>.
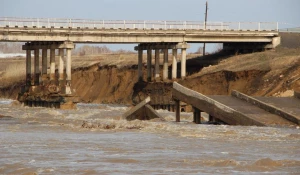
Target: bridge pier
<point x="52" y="66"/>
<point x="61" y="75"/>
<point x="48" y="88"/>
<point x="164" y="47"/>
<point x="174" y="64"/>
<point x="28" y="68"/>
<point x="177" y="110"/>
<point x="156" y="68"/>
<point x="36" y="67"/>
<point x="44" y="66"/>
<point x="149" y="60"/>
<point x="165" y="65"/>
<point x="68" y="72"/>
<point x="183" y="63"/>
<point x="140" y="63"/>
<point x="197" y="115"/>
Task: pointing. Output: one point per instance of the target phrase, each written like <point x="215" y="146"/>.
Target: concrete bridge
<point x="61" y="34"/>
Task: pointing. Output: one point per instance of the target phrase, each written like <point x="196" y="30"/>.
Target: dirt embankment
<point x="267" y="73"/>
<point x="264" y="74"/>
<point x="107" y="84"/>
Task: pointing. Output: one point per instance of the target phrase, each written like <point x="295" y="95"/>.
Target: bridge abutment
<point x="48" y="89"/>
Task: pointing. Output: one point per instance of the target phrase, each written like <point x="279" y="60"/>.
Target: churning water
<point x="94" y="139"/>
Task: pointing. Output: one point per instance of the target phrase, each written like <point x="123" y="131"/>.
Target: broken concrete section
<point x="285" y="107"/>
<point x="227" y="109"/>
<point x="142" y="111"/>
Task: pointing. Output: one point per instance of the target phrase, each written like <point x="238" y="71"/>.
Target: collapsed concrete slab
<point x="227" y="109"/>
<point x="285" y="107"/>
<point x="142" y="111"/>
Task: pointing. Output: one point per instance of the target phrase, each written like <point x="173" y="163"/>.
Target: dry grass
<point x="11" y="71"/>
<point x="117" y="59"/>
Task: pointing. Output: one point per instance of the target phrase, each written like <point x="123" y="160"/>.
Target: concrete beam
<point x="142" y="111"/>
<point x="265" y="106"/>
<point x="246" y="46"/>
<point x="151" y="113"/>
<point x="48" y="45"/>
<point x="161" y="46"/>
<point x="133" y="36"/>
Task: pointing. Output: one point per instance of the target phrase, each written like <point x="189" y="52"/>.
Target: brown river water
<point x="94" y="139"/>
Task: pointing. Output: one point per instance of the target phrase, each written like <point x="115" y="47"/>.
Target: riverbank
<point x="112" y="78"/>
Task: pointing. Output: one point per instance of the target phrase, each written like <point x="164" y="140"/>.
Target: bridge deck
<point x="251" y="111"/>
<point x="236" y="111"/>
<point x="120" y="35"/>
<point x="288" y="104"/>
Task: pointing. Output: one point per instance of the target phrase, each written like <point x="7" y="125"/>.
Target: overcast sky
<point x="287" y="12"/>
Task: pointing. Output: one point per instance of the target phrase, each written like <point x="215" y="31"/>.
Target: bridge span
<point x="61" y="34"/>
<point x="239" y="108"/>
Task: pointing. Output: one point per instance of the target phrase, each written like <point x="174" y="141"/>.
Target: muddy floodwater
<point x="94" y="139"/>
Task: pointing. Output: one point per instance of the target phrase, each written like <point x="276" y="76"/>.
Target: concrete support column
<point x="68" y="72"/>
<point x="177" y="110"/>
<point x="52" y="66"/>
<point x="165" y="66"/>
<point x="149" y="59"/>
<point x="197" y="115"/>
<point x="140" y="64"/>
<point x="156" y="70"/>
<point x="211" y="118"/>
<point x="61" y="67"/>
<point x="28" y="67"/>
<point x="174" y="64"/>
<point x="44" y="65"/>
<point x="183" y="63"/>
<point x="36" y="67"/>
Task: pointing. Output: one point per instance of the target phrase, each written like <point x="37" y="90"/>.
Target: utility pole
<point x="205" y="26"/>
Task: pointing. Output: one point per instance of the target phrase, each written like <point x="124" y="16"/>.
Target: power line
<point x="205" y="25"/>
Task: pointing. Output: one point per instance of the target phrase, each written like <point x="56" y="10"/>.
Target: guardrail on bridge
<point x="135" y="24"/>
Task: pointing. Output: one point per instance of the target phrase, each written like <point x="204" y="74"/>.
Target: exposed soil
<point x="270" y="73"/>
<point x="107" y="84"/>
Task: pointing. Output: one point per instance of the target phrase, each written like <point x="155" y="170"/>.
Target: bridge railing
<point x="135" y="24"/>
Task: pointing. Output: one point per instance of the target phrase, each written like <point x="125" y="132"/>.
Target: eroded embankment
<point x="262" y="74"/>
<point x="110" y="84"/>
<point x="11" y="92"/>
<point x="107" y="84"/>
